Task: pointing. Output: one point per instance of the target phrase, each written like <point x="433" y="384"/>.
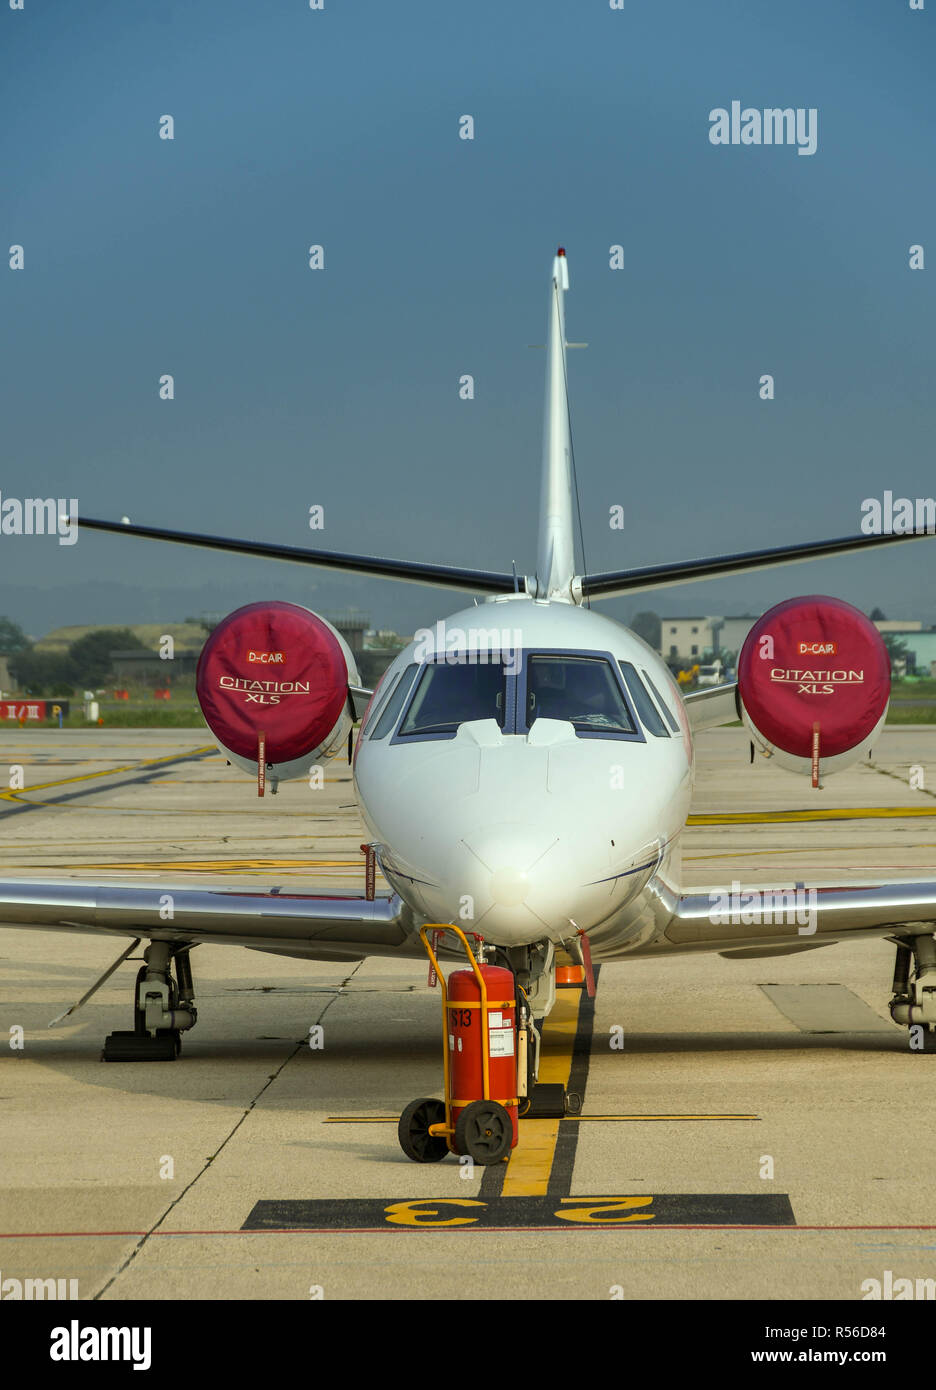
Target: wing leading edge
<point x="302" y="925"/>
<point x="417" y="572"/>
<point x="709" y="708"/>
<point x="616" y="582"/>
<point x="308" y="926"/>
<point x="767" y="919"/>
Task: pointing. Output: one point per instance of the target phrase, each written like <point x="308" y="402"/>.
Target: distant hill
<point x="188" y="637"/>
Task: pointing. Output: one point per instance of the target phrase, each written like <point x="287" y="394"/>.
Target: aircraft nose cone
<point x="509" y="887"/>
<point x="525" y="882"/>
<point x="509" y="871"/>
<point x="512" y="854"/>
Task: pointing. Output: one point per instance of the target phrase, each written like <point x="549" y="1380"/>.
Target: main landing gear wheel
<point x="154" y="1053"/>
<point x="413" y="1131"/>
<point x="140" y="1045"/>
<point x="484" y="1131"/>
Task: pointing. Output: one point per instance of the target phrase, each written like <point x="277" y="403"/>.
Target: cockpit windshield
<point x="447" y="696"/>
<point x="582" y="690"/>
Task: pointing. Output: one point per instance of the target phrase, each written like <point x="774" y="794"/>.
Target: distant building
<point x="898" y="625"/>
<point x="385" y="640"/>
<point x="6" y="680"/>
<point x="148" y="669"/>
<point x="920" y="647"/>
<point x="681" y="638"/>
<point x="689" y="639"/>
<point x="733" y="631"/>
<point x="352" y="626"/>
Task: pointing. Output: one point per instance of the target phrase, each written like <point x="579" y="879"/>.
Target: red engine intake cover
<point x="273" y="667"/>
<point x="814" y="659"/>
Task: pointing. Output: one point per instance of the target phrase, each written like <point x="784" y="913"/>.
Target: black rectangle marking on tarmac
<point x="821" y="1008"/>
<point x="500" y="1213"/>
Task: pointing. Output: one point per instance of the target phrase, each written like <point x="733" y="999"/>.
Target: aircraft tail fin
<point x="555" y="568"/>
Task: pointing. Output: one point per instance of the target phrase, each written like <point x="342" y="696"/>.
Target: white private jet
<point x="524" y="770"/>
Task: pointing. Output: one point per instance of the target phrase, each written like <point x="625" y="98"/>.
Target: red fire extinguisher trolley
<point x="479" y="1050"/>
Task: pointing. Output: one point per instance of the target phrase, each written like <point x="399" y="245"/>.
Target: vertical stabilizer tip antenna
<point x="561" y="251"/>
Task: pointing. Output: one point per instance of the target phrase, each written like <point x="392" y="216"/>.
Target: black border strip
<point x="563" y="1165"/>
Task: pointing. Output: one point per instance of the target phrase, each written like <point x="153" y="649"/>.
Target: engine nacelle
<point x="278" y="669"/>
<point x="814" y="661"/>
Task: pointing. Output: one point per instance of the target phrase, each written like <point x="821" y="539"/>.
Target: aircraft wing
<point x="294" y="924"/>
<point x="759" y="920"/>
<point x="766" y="920"/>
<point x="709" y="708"/>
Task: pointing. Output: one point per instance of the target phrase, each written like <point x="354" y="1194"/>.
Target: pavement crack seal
<point x="154" y="1229"/>
<point x="885" y="772"/>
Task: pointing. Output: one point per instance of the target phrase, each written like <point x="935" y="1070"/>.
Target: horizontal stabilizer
<point x="615" y="582"/>
<point x="441" y="576"/>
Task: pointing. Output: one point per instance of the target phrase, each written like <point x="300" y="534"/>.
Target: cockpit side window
<point x="645" y="707"/>
<point x="393" y="706"/>
<point x="667" y="712"/>
<point x="379" y="700"/>
<point x="447" y="696"/>
<point x="580" y="689"/>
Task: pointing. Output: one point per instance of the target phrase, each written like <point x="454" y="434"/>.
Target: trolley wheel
<point x="413" y="1131"/>
<point x="484" y="1131"/>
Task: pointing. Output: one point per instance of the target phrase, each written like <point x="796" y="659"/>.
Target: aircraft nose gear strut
<point x="914" y="1001"/>
<point x="163" y="1008"/>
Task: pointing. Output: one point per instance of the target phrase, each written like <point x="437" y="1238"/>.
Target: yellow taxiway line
<point x="19" y="795"/>
<point x="531" y="1161"/>
<point x="830" y="813"/>
<point x="567" y="1119"/>
<point x="217" y="865"/>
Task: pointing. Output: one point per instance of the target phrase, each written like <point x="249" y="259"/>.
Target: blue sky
<point x="340" y="387"/>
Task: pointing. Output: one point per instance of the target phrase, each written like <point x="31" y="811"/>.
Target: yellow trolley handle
<point x="449" y="1129"/>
